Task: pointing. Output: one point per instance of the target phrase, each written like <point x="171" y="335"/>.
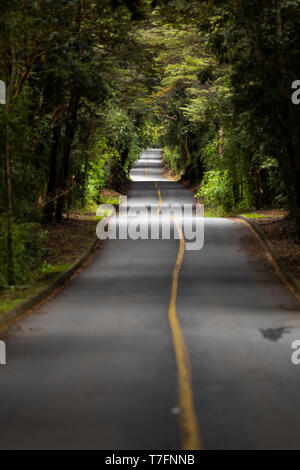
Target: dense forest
<point x="89" y="84"/>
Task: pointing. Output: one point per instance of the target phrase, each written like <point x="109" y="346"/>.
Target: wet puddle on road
<point x="274" y="334"/>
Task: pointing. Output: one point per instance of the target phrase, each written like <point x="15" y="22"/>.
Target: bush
<point x="29" y="247"/>
<point x="216" y="189"/>
<point x="172" y="158"/>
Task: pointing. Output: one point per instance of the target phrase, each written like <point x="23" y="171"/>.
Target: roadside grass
<point x="213" y="212"/>
<point x="14" y="295"/>
<point x="89" y="212"/>
<point x="95" y="218"/>
<point x="65" y="243"/>
<point x="113" y="201"/>
<point x="254" y="216"/>
<point x="219" y="212"/>
<point x="49" y="271"/>
<point x="266" y="214"/>
<point x="7" y="304"/>
<point x="109" y="196"/>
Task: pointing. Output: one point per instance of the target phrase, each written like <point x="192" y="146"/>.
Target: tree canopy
<point x="89" y="84"/>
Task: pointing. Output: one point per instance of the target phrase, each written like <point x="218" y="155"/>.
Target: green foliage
<point x="254" y="216"/>
<point x="172" y="158"/>
<point x="210" y="153"/>
<point x="224" y="96"/>
<point x="98" y="170"/>
<point x="216" y="190"/>
<point x="29" y="248"/>
<point x="78" y="75"/>
<point x="49" y="271"/>
<point x="90" y="84"/>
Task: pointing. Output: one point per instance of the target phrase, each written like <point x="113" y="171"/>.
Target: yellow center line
<point x="189" y="430"/>
<point x="159" y="198"/>
<point x="188" y="426"/>
<point x="159" y="204"/>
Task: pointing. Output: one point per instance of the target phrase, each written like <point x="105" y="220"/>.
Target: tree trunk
<point x="221" y="142"/>
<point x="10" y="217"/>
<point x="283" y="119"/>
<point x="118" y="179"/>
<point x="86" y="162"/>
<point x="185" y="152"/>
<point x="10" y="214"/>
<point x="65" y="163"/>
<point x="51" y="188"/>
<point x="290" y="170"/>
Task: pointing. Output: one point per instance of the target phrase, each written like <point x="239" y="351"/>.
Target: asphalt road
<point x="150" y="347"/>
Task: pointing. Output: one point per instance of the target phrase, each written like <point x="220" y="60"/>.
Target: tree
<point x="64" y="63"/>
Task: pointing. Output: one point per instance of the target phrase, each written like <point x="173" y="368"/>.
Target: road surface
<point x="153" y="347"/>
